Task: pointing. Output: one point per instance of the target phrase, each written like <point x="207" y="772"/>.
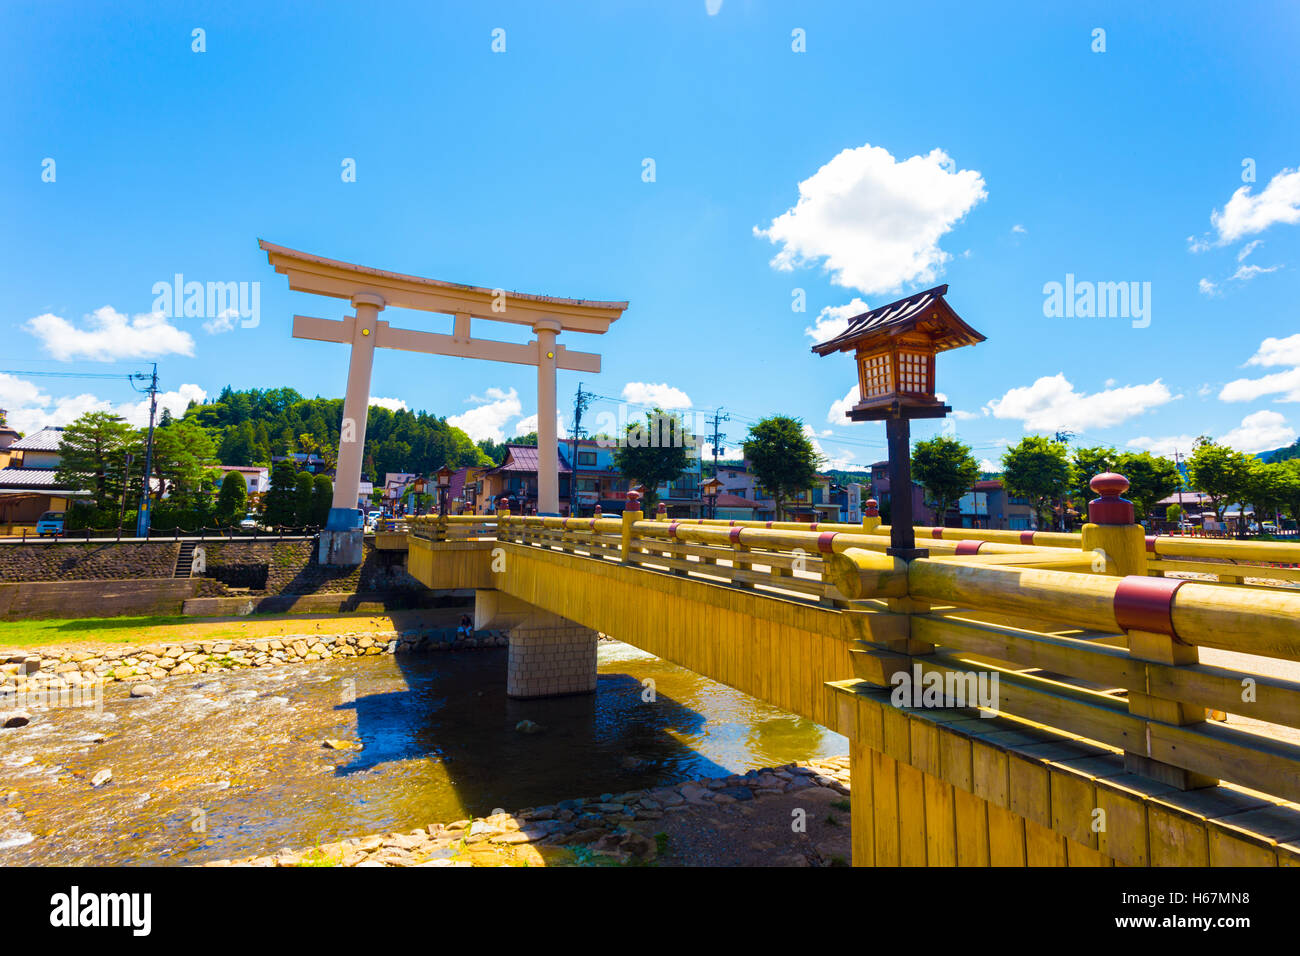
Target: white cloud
<point x="834" y="319"/>
<point x="1286" y="384"/>
<point x="836" y="413"/>
<point x="31" y="409"/>
<point x="963" y="416"/>
<point x="1052" y="403"/>
<point x="109" y="336"/>
<point x="875" y="221"/>
<point x="1245" y="215"/>
<point x="831" y="457"/>
<point x="1207" y="287"/>
<point x="392" y="404"/>
<point x="1019" y="229"/>
<point x="1272" y="352"/>
<point x="489" y="418"/>
<point x="224" y="322"/>
<point x="1246" y="273"/>
<point x="663" y="395"/>
<point x="988" y="464"/>
<point x="1163" y="447"/>
<point x="1204" y="390"/>
<point x="1248" y="248"/>
<point x="1277" y="351"/>
<point x="1260" y="431"/>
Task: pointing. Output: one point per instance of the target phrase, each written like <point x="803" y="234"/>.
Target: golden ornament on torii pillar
<point x="895" y="346"/>
<point x="370" y="291"/>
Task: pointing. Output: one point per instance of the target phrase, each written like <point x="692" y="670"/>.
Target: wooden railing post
<point x="870" y="515"/>
<point x="1144" y="608"/>
<point x="1112" y="530"/>
<point x="503" y="519"/>
<point x="630" y="517"/>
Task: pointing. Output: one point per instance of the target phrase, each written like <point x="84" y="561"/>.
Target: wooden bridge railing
<point x="452" y="527"/>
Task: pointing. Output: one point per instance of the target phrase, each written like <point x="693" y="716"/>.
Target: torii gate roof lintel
<point x="345" y="280"/>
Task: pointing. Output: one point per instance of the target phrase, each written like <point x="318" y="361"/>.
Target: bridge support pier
<point x="551" y="657"/>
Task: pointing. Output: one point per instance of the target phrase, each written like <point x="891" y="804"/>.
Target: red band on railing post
<point x="813" y="526"/>
<point x="1151" y="543"/>
<point x="1026" y="537"/>
<point x="936" y="532"/>
<point x="969" y="547"/>
<point x="825" y="540"/>
<point x="768" y="525"/>
<point x="672" y="529"/>
<point x="1147" y="604"/>
<point x="734" y="535"/>
<point x="1109" y="507"/>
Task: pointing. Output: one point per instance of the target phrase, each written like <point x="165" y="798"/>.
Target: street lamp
<point x="895" y="346"/>
<point x="711" y="488"/>
<point x="444" y="485"/>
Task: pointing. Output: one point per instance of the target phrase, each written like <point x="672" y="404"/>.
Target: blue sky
<point x="904" y="146"/>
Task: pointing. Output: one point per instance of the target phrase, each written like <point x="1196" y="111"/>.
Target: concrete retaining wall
<point x="68" y="599"/>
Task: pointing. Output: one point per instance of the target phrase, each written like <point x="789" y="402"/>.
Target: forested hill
<point x="248" y="427"/>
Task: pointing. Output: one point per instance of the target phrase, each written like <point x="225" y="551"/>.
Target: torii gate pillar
<point x="341" y="540"/>
<point x="548" y="478"/>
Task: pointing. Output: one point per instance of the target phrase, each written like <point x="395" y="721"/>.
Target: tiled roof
<point x="524" y="458"/>
<point x="902" y="315"/>
<point x="735" y="501"/>
<point x="47" y="439"/>
<point x="29" y="478"/>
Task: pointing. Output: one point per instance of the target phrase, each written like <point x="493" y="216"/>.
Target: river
<point x="222" y="766"/>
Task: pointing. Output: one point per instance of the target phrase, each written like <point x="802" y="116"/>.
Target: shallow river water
<point x="222" y="766"/>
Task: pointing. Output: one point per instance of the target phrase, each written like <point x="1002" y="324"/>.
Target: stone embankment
<point x="61" y="668"/>
<point x="713" y="820"/>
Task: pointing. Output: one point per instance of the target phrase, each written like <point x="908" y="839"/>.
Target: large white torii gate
<point x="371" y="290"/>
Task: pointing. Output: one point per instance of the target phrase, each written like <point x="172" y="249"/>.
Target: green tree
<point x="1218" y="472"/>
<point x="782" y="458"/>
<point x="654" y="452"/>
<point x="183" y="456"/>
<point x="303" y="484"/>
<point x="322" y="496"/>
<point x="92" y="456"/>
<point x="1037" y="469"/>
<point x="1086" y="464"/>
<point x="1266" y="488"/>
<point x="1150" y="478"/>
<point x="1174" y="513"/>
<point x="1289" y="487"/>
<point x="946" y="469"/>
<point x="233" y="498"/>
<point x="278" y="502"/>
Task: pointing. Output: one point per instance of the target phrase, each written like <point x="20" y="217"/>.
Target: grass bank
<point x="155" y="630"/>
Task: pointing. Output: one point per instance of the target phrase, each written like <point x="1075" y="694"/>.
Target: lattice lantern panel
<point x="914" y="373"/>
<point x="876" y="375"/>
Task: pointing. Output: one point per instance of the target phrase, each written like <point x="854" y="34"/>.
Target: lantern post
<point x="894" y="347"/>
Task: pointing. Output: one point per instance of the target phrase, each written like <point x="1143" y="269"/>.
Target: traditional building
<point x="28" y="482"/>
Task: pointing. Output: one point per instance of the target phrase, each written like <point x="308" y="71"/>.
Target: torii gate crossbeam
<point x="371" y="290"/>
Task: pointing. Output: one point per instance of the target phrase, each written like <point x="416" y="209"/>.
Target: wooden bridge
<point x="1012" y="698"/>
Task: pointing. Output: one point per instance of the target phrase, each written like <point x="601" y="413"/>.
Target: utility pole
<point x="142" y="520"/>
<point x="580" y="403"/>
<point x="717" y="419"/>
<point x="1182" y="514"/>
<point x="1064" y="437"/>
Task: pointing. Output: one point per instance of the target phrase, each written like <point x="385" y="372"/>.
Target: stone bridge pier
<point x="550" y="656"/>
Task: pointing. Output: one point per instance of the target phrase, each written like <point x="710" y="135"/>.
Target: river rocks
<point x="101" y="777"/>
<point x="14" y="718"/>
<point x="332" y="743"/>
<point x="529" y="727"/>
<point x="55" y="668"/>
<point x="144" y="690"/>
<point x="617" y="826"/>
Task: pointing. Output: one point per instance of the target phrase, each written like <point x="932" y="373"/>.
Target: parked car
<point x="249" y="522"/>
<point x="1269" y="527"/>
<point x="50" y="523"/>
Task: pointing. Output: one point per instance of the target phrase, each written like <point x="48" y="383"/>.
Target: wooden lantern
<point x="894" y="346"/>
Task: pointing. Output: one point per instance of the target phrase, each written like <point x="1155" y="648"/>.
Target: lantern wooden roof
<point x="925" y="312"/>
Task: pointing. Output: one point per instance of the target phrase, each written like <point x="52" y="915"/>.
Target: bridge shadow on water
<point x="454" y="716"/>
